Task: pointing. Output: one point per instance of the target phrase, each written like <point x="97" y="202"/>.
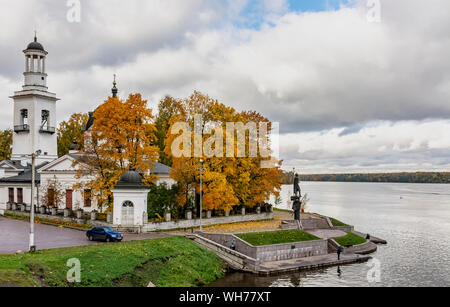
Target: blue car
<point x="102" y="233"/>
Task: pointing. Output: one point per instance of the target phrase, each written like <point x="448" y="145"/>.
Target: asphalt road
<point x="14" y="236"/>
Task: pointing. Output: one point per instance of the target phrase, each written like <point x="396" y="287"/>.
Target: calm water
<point x="413" y="218"/>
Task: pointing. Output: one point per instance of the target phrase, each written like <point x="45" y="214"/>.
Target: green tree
<point x="162" y="198"/>
<point x="5" y="144"/>
<point x="167" y="108"/>
<point x="70" y="131"/>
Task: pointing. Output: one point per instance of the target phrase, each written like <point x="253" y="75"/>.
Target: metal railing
<point x="22" y="128"/>
<point x="50" y="130"/>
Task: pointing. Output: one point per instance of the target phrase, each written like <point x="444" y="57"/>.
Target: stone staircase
<point x="307" y="224"/>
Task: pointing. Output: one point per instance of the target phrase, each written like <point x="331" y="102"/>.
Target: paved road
<point x="14" y="236"/>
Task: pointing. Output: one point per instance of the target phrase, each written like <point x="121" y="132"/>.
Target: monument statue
<point x="297" y="205"/>
<point x="297" y="190"/>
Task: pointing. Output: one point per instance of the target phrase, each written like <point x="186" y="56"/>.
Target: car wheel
<point x="108" y="239"/>
<point x="91" y="238"/>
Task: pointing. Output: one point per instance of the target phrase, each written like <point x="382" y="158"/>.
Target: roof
<point x="25" y="176"/>
<point x="35" y="45"/>
<point x="131" y="180"/>
<point x="161" y="169"/>
<point x="14" y="163"/>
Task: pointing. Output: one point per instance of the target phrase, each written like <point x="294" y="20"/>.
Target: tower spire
<point x="114" y="89"/>
<point x="35" y="35"/>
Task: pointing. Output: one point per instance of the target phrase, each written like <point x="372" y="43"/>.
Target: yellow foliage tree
<point x="122" y="137"/>
<point x="228" y="180"/>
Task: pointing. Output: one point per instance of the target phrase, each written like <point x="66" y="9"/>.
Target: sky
<point x="356" y="85"/>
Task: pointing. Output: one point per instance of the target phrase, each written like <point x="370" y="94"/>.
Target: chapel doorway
<point x="128" y="213"/>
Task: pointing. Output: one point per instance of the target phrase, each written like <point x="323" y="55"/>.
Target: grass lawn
<point x="350" y="239"/>
<point x="336" y="223"/>
<point x="276" y="237"/>
<point x="168" y="262"/>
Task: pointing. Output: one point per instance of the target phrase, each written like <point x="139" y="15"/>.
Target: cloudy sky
<point x="359" y="85"/>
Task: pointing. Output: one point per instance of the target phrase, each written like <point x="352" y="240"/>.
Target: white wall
<point x="137" y="197"/>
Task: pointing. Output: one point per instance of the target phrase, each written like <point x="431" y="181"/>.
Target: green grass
<point x="335" y="222"/>
<point x="169" y="262"/>
<point x="350" y="240"/>
<point x="276" y="237"/>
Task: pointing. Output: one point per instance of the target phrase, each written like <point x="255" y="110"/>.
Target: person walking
<point x="339" y="252"/>
<point x="233" y="244"/>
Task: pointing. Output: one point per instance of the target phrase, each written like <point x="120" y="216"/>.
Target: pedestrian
<point x="339" y="252"/>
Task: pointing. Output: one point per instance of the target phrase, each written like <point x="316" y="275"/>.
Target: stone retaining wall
<point x="57" y="218"/>
<point x="236" y="260"/>
<point x="271" y="252"/>
<point x="344" y="228"/>
<point x="185" y="224"/>
<point x="292" y="250"/>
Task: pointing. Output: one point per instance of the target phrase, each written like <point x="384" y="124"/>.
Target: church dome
<point x="35" y="46"/>
<point x="74" y="146"/>
<point x="131" y="180"/>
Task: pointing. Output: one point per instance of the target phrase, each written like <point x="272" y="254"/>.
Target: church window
<point x="11" y="195"/>
<point x="87" y="198"/>
<point x="19" y="195"/>
<point x="51" y="197"/>
<point x="24" y="117"/>
<point x="45" y="118"/>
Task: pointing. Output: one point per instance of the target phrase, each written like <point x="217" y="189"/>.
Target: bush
<point x="161" y="199"/>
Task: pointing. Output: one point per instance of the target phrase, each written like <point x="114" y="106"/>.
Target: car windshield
<point x="108" y="229"/>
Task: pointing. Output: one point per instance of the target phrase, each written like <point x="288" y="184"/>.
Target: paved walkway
<point x="300" y="264"/>
<point x="14" y="236"/>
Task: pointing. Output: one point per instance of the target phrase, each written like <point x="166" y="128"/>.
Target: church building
<point x="34" y="131"/>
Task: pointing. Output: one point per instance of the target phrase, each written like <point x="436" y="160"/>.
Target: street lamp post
<point x="33" y="184"/>
<point x="201" y="194"/>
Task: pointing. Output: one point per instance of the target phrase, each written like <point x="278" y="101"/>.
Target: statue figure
<point x="297" y="205"/>
<point x="297" y="190"/>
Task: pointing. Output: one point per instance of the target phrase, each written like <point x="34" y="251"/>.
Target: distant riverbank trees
<point x="418" y="177"/>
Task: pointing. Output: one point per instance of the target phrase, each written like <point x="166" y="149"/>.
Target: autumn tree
<point x="70" y="131"/>
<point x="122" y="137"/>
<point x="167" y="108"/>
<point x="5" y="144"/>
<point x="229" y="180"/>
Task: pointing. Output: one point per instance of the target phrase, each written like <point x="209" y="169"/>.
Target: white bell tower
<point x="34" y="110"/>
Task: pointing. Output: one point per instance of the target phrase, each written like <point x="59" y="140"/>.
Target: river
<point x="413" y="218"/>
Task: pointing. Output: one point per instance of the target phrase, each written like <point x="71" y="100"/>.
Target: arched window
<point x="128" y="204"/>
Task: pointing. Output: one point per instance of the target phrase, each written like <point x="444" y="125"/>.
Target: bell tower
<point x="34" y="110"/>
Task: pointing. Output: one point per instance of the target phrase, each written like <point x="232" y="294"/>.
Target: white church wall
<point x="165" y="179"/>
<point x="67" y="181"/>
<point x="4" y="194"/>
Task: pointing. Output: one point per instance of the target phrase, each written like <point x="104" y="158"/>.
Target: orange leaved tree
<point x="229" y="179"/>
<point x="122" y="137"/>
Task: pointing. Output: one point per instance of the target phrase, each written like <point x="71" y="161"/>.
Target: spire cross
<point x="114" y="83"/>
<point x="35" y="35"/>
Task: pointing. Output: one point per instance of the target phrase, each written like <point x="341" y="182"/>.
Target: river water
<point x="413" y="218"/>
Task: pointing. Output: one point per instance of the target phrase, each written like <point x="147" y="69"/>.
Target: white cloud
<point x="328" y="71"/>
